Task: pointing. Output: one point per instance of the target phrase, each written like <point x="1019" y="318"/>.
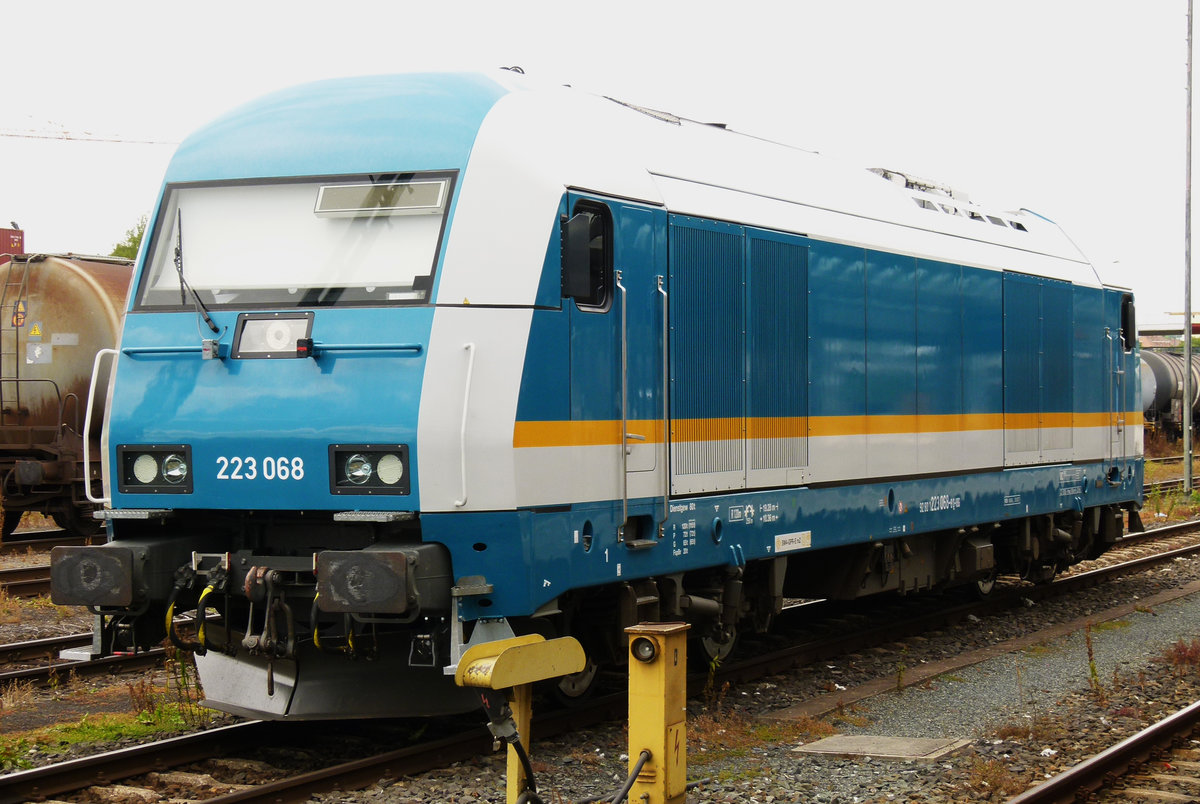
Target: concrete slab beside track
<point x="914" y="749"/>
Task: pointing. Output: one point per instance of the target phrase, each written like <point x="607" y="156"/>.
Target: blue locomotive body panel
<point x="240" y="416"/>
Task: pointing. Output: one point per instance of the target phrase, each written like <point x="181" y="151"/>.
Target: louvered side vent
<point x="778" y="374"/>
<point x="707" y="345"/>
<point x="1022" y="367"/>
<point x="1057" y="363"/>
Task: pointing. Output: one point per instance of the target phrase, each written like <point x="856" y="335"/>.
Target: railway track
<point x="25" y="581"/>
<point x="472" y="741"/>
<point x="1168" y="486"/>
<point x="144" y="765"/>
<point x="1142" y="767"/>
<point x="40" y="648"/>
<point x="45" y="667"/>
<point x="41" y="539"/>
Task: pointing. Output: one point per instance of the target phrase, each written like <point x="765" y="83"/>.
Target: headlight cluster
<point x="155" y="468"/>
<point x="368" y="468"/>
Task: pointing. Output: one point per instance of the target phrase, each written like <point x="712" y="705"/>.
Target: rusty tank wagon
<point x="56" y="312"/>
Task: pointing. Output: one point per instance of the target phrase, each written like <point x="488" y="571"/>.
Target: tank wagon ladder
<point x="12" y="320"/>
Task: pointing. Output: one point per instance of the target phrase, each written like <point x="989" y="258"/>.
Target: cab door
<point x="617" y="351"/>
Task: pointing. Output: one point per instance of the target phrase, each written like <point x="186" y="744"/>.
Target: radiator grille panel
<point x="707" y="393"/>
<point x="778" y="355"/>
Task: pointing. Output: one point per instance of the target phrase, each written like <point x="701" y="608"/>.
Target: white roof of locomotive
<point x="538" y="140"/>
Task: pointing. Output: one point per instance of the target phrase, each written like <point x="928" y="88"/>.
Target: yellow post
<point x="658" y="711"/>
<point x="520" y="700"/>
<point x="513" y="665"/>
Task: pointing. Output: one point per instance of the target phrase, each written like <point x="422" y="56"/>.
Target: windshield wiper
<point x="184" y="287"/>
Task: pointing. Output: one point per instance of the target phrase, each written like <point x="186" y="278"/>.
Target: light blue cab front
<point x="298" y="205"/>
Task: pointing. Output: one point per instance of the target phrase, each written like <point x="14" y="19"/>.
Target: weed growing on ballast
<point x="1183" y="656"/>
<point x="992" y="776"/>
<point x="1093" y="673"/>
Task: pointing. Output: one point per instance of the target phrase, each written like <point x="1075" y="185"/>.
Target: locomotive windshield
<point x="338" y="240"/>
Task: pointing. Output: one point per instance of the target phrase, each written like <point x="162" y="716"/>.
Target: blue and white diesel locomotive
<point x="416" y="362"/>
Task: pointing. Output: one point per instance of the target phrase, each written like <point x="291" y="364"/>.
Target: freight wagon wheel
<point x="76" y="521"/>
<point x="11" y="520"/>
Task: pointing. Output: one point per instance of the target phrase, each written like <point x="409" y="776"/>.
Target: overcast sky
<point x="1072" y="108"/>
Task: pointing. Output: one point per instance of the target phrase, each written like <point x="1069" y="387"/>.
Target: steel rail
<point x="1174" y="484"/>
<point x="43" y="674"/>
<point x="41" y="544"/>
<point x="1092" y="774"/>
<point x="25" y="581"/>
<point x="419" y="758"/>
<point x="40" y="648"/>
<point x="415" y="759"/>
<point x="362" y="772"/>
<point x="49" y="780"/>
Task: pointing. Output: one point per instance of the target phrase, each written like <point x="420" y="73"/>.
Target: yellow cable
<point x="316" y="629"/>
<point x="199" y="608"/>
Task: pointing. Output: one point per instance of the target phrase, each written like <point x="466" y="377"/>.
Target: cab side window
<point x="1128" y="326"/>
<point x="587" y="256"/>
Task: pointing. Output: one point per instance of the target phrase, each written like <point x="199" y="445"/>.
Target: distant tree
<point x="128" y="248"/>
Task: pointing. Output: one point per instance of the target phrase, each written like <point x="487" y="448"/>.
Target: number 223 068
<point x="269" y="468"/>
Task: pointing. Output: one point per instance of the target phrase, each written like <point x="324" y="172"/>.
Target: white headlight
<point x="145" y="468"/>
<point x="390" y="469"/>
<point x="175" y="469"/>
<point x="358" y="469"/>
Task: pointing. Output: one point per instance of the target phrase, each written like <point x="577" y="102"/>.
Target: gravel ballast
<point x="1025" y="715"/>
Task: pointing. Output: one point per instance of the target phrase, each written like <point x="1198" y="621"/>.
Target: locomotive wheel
<point x="1038" y="573"/>
<point x="984" y="586"/>
<point x="578" y="687"/>
<point x="1044" y="574"/>
<point x="714" y="650"/>
<point x="573" y="689"/>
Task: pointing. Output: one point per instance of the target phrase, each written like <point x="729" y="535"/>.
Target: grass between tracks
<point x="17" y="609"/>
<point x="16" y="749"/>
<point x="1123" y="697"/>
<point x="154" y="708"/>
<point x="719" y="732"/>
<point x="1167" y="506"/>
